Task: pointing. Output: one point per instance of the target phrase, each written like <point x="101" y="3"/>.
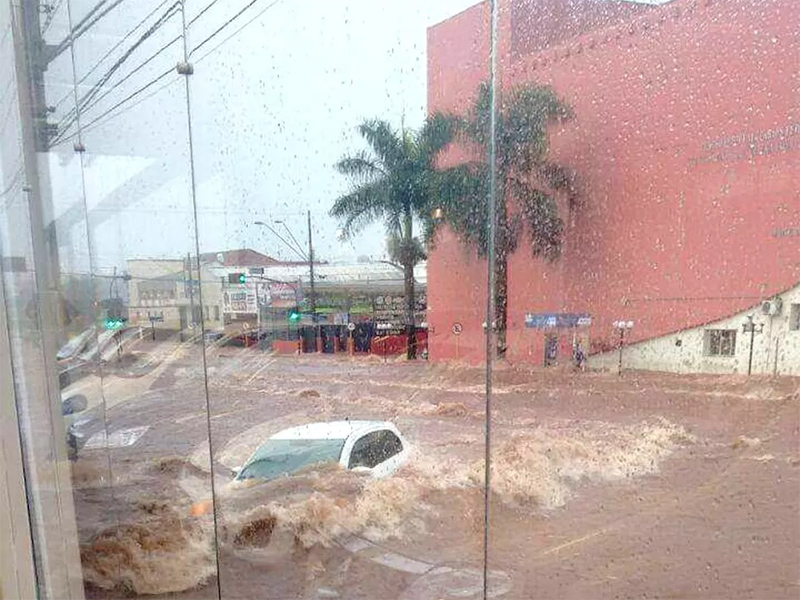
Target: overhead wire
<point x="110" y="51"/>
<point x="234" y="33"/>
<point x="158" y="52"/>
<point x="68" y="119"/>
<point x="127" y="98"/>
<point x="97" y="121"/>
<point x="85" y="25"/>
<point x="127" y="35"/>
<point x="51" y="15"/>
<point x="15" y="178"/>
<point x="86" y="102"/>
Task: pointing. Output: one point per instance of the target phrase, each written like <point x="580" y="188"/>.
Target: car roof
<point x="331" y="430"/>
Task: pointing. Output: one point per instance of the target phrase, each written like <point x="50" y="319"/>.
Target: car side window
<point x="390" y="445"/>
<point x="365" y="451"/>
<point x="374" y="448"/>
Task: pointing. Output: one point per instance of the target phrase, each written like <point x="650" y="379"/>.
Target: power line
<point x="86" y="101"/>
<point x="113" y="48"/>
<point x="228" y="22"/>
<point x="133" y="72"/>
<point x="14" y="181"/>
<point x="130" y="96"/>
<point x="127" y="35"/>
<point x="51" y="15"/>
<point x="6" y="121"/>
<point x="160" y="77"/>
<point x="202" y="12"/>
<point x="172" y="10"/>
<point x="83" y="26"/>
<point x="84" y="105"/>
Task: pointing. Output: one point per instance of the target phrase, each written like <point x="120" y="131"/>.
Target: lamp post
<point x="622" y="327"/>
<point x="749" y="326"/>
<point x="294" y="245"/>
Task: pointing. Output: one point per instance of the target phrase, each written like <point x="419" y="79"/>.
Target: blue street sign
<point x="557" y="320"/>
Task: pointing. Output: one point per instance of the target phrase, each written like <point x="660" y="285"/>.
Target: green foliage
<point x="396" y="180"/>
<point x="527" y="181"/>
<point x="400" y="251"/>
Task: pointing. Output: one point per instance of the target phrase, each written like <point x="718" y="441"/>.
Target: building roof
<point x="377" y="277"/>
<point x="242" y="257"/>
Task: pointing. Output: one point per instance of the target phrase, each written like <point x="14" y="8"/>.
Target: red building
<point x="686" y="145"/>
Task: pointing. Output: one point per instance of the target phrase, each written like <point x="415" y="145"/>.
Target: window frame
<point x="716" y="341"/>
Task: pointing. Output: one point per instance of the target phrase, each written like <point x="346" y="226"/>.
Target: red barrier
<point x="285" y="346"/>
<point x="389" y="345"/>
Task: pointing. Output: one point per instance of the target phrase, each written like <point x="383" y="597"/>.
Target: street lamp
<point x="622" y="327"/>
<point x="752" y="328"/>
<point x="309" y="258"/>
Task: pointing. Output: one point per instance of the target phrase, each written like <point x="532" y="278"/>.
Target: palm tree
<point x="395" y="182"/>
<point x="527" y="184"/>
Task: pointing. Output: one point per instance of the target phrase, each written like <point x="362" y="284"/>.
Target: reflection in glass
<point x="267" y="266"/>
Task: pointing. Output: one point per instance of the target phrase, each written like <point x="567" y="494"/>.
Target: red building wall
<point x="686" y="143"/>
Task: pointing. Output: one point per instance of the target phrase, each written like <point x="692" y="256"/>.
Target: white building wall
<point x="776" y="350"/>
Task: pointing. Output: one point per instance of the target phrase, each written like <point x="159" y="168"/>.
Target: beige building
<point x="724" y="346"/>
<point x="165" y="294"/>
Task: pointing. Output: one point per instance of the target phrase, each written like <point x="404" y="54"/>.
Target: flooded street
<point x="646" y="485"/>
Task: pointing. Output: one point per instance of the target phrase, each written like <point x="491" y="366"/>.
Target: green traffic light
<point x="242" y="278"/>
<point x="113" y="323"/>
<point x="294" y="316"/>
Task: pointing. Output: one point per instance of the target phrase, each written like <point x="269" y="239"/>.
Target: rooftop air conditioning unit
<point x="772" y="307"/>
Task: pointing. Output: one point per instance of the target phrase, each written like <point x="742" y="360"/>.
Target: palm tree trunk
<point x="408" y="283"/>
<point x="502" y="245"/>
<point x="501" y="302"/>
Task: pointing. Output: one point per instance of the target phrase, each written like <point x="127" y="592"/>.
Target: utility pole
<point x="309" y="258"/>
<point x="312" y="299"/>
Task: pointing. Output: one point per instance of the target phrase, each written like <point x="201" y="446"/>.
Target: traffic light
<point x="237" y="278"/>
<point x="114" y="323"/>
<point x="113" y="317"/>
<point x="294" y="315"/>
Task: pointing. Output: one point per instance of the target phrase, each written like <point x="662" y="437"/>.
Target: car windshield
<point x="284" y="457"/>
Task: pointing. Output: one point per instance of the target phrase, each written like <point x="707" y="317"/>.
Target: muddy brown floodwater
<point x="648" y="485"/>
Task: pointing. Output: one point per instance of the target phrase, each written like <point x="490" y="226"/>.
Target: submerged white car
<point x="374" y="447"/>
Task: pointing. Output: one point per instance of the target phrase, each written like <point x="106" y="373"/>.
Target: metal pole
<point x="621" y="342"/>
<point x="258" y="319"/>
<point x="313" y="296"/>
<point x="491" y="307"/>
<point x="207" y="397"/>
<point x="775" y="368"/>
<point x="752" y="338"/>
<point x="191" y="287"/>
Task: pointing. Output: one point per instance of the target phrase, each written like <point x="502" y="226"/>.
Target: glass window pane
<point x="647" y="186"/>
<point x="317" y="303"/>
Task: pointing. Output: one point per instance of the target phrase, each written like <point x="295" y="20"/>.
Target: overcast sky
<point x="272" y="109"/>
